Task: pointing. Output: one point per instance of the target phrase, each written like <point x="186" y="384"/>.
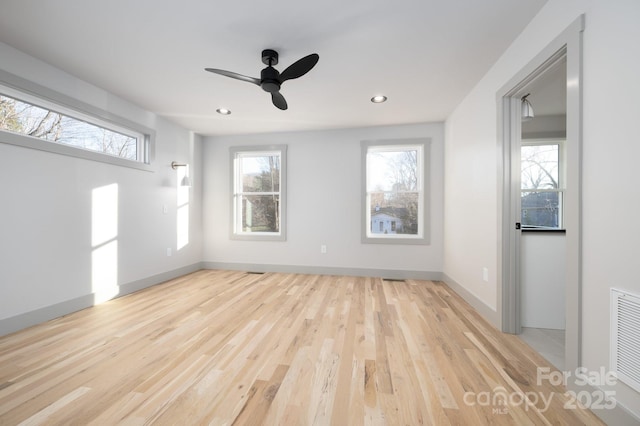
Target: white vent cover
<point x="625" y="337"/>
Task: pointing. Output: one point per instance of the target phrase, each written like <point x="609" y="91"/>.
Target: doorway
<point x="565" y="49"/>
<point x="543" y="240"/>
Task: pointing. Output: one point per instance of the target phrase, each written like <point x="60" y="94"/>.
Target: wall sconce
<point x="185" y="180"/>
<point x="527" y="109"/>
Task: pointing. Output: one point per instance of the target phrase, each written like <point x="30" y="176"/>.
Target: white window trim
<point x="259" y="236"/>
<point x="424" y="204"/>
<point x="14" y="86"/>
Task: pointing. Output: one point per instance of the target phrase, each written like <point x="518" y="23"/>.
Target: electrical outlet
<point x="323" y="249"/>
<point x="485" y="275"/>
<point x="165" y="209"/>
<point x="169" y="251"/>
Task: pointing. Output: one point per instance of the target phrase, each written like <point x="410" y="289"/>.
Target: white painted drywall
<point x="324" y="202"/>
<point x="610" y="163"/>
<point x="542" y="279"/>
<point x="46" y="205"/>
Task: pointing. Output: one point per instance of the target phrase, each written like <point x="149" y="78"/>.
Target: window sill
<point x="542" y="229"/>
<point x="69" y="151"/>
<point x="258" y="237"/>
<point x="396" y="240"/>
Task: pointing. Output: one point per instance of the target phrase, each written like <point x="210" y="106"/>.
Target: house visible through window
<point x="259" y="192"/>
<point x="541" y="184"/>
<point x="32" y="117"/>
<point x="395" y="191"/>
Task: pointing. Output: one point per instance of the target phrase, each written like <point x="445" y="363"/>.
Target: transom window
<point x="35" y="117"/>
<point x="259" y="192"/>
<point x="42" y="122"/>
<point x="395" y="209"/>
<point x="542" y="185"/>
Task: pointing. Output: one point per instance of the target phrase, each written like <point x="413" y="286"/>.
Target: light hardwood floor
<point x="226" y="347"/>
<point x="548" y="343"/>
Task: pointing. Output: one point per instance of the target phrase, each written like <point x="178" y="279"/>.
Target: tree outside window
<point x="258" y="193"/>
<point x="43" y="123"/>
<point x="541" y="174"/>
<point x="394" y="176"/>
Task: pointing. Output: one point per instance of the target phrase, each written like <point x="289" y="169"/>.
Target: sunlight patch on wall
<point x="182" y="217"/>
<point x="104" y="271"/>
<point x="104" y="241"/>
<point x="183" y="226"/>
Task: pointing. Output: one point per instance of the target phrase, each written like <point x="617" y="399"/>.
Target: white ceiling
<point x="425" y="55"/>
<point x="549" y="91"/>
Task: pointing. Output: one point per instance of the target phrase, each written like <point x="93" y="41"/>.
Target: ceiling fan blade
<point x="300" y="67"/>
<point x="278" y="100"/>
<point x="235" y="75"/>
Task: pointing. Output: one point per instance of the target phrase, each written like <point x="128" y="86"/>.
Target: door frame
<point x="568" y="44"/>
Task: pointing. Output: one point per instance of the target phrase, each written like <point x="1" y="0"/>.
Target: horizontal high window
<point x="34" y="120"/>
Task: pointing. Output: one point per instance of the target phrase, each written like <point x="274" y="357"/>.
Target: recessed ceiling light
<point x="223" y="111"/>
<point x="378" y="99"/>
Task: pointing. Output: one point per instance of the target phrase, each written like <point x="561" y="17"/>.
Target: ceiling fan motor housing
<point x="270" y="80"/>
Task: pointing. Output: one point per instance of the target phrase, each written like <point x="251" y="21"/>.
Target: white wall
<point x="46" y="206"/>
<point x="542" y="279"/>
<point x="610" y="156"/>
<point x="324" y="204"/>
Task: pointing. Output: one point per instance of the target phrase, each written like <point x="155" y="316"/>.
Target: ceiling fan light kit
<point x="270" y="79"/>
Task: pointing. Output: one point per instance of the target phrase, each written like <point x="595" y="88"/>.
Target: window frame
<point x="424" y="193"/>
<point x="561" y="143"/>
<point x="23" y="90"/>
<point x="236" y="213"/>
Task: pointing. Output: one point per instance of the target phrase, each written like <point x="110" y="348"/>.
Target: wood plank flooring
<point x="226" y="347"/>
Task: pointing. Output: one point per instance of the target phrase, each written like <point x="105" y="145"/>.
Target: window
<point x="35" y="117"/>
<point x="541" y="184"/>
<point x="259" y="193"/>
<point x="395" y="191"/>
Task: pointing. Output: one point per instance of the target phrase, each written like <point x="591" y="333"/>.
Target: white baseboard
<point x="38" y="316"/>
<point x="327" y="270"/>
<point x="483" y="309"/>
<point x="618" y="416"/>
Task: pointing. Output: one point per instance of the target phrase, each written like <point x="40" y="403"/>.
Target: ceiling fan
<point x="270" y="79"/>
